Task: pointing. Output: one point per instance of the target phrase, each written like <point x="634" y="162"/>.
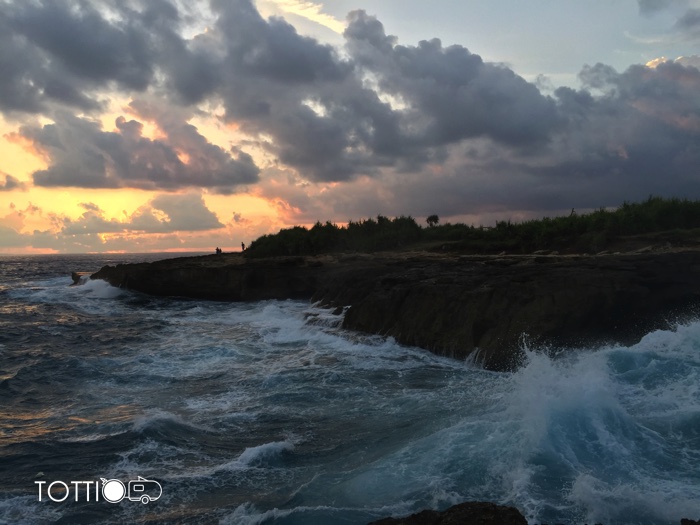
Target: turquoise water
<point x="269" y="413"/>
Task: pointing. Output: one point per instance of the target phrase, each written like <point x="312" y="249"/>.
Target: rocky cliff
<point x="453" y="305"/>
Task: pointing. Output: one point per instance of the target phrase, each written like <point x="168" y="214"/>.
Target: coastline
<point x="479" y="307"/>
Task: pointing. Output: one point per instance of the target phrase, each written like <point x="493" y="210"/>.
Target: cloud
<point x="647" y="7"/>
<point x="638" y="137"/>
<point x="311" y="11"/>
<point x="90" y="206"/>
<point x="452" y="93"/>
<point x="689" y="24"/>
<point x="624" y="136"/>
<point x="59" y="52"/>
<point x="10" y="238"/>
<point x="76" y="36"/>
<point x="165" y="222"/>
<point x="81" y="154"/>
<point x="271" y="74"/>
<point x="182" y="213"/>
<point x="91" y="222"/>
<point x="55" y="51"/>
<point x="10" y="183"/>
<point x="28" y="78"/>
<point x="375" y="127"/>
<point x="692" y="60"/>
<point x="163" y="214"/>
<point x="386" y="106"/>
<point x="238" y="218"/>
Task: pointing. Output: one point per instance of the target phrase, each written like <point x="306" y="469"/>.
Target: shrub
<point x="586" y="232"/>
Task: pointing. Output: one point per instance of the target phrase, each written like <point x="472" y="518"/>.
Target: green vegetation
<point x="368" y="235"/>
<point x="678" y="219"/>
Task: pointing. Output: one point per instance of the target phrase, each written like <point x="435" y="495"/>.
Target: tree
<point x="432" y="220"/>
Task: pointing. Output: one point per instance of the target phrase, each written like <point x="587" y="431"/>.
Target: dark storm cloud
<point x="77" y="37"/>
<point x="60" y="51"/>
<point x="639" y="136"/>
<point x="271" y="72"/>
<point x="409" y="117"/>
<point x="453" y="94"/>
<point x="27" y="80"/>
<point x="330" y="124"/>
<point x="193" y="69"/>
<point x="625" y="136"/>
<point x="82" y="154"/>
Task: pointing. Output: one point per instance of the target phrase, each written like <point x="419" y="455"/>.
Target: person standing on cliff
<point x="242" y="246"/>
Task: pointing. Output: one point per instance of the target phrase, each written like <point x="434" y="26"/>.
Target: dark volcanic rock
<point x="453" y="305"/>
<point x="217" y="277"/>
<point x="471" y="513"/>
<point x="456" y="306"/>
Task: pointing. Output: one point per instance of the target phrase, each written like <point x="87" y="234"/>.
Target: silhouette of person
<point x="242" y="246"/>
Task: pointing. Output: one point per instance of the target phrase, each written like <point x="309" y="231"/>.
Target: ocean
<point x="118" y="407"/>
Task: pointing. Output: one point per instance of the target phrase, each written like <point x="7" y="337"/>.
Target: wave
<point x="261" y="455"/>
<point x="266" y="412"/>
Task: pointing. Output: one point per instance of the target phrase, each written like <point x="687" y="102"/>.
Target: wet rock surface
<point x="453" y="305"/>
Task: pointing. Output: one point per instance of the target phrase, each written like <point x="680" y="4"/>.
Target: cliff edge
<point x="452" y="305"/>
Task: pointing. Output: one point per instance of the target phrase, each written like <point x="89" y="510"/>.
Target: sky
<point x="173" y="125"/>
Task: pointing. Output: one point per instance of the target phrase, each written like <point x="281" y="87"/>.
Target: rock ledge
<point x="457" y="306"/>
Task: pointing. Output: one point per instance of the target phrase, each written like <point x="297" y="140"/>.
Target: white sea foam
<point x="658" y="500"/>
<point x="56" y="290"/>
<point x="100" y="289"/>
<point x="564" y="437"/>
<point x="590" y="413"/>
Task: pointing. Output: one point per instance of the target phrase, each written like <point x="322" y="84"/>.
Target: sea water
<point x="270" y="413"/>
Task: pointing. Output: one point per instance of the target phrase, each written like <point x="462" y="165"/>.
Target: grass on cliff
<point x="679" y="219"/>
